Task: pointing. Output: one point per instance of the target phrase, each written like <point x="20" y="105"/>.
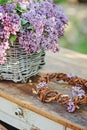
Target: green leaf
<point x="3" y="2"/>
<point x="30" y="27"/>
<point x="23" y="22"/>
<point x="12" y="39"/>
<point x="21" y="28"/>
<point x="18" y="8"/>
<point x="10" y="2"/>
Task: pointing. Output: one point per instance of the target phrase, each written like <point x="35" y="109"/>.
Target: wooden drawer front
<point x="42" y="123"/>
<point x="15" y="122"/>
<point x="68" y="129"/>
<point x="28" y="121"/>
<point x="12" y="109"/>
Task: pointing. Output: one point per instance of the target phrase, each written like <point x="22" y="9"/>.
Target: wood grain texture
<point x="65" y="61"/>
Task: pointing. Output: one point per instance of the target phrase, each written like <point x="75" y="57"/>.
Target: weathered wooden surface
<point x="21" y="94"/>
<point x="66" y="61"/>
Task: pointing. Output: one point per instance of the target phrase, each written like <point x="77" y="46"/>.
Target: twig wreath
<point x="79" y="93"/>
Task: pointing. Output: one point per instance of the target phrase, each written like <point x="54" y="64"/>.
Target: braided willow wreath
<point x="79" y="90"/>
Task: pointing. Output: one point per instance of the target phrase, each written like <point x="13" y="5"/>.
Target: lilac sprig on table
<point x="34" y="25"/>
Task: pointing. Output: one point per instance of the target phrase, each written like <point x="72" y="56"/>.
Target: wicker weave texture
<point x="19" y="65"/>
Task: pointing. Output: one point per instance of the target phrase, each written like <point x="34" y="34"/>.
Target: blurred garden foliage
<point x="60" y="1"/>
<point x="75" y="37"/>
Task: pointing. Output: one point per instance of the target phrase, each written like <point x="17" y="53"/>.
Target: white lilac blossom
<point x="42" y="84"/>
<point x="78" y="92"/>
<point x="71" y="106"/>
<point x="34" y="25"/>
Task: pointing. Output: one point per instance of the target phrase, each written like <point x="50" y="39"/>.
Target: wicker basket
<point x="19" y="65"/>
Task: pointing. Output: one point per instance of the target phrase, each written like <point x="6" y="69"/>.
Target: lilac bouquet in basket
<point x="32" y="24"/>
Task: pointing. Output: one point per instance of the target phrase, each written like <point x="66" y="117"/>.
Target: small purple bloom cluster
<point x="71" y="106"/>
<point x="77" y="92"/>
<point x="42" y="84"/>
<point x="48" y="22"/>
<point x="35" y="25"/>
<point x="71" y="75"/>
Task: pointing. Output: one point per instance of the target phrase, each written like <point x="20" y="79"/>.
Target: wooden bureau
<point x="22" y="109"/>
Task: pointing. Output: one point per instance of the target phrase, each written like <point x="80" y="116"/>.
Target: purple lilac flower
<point x="71" y="106"/>
<point x="9" y="24"/>
<point x="29" y="42"/>
<point x="71" y="75"/>
<point x="1" y="33"/>
<point x="49" y="22"/>
<point x="45" y="24"/>
<point x="1" y="9"/>
<point x="77" y="92"/>
<point x="42" y="84"/>
<point x="2" y="54"/>
<point x="9" y="8"/>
